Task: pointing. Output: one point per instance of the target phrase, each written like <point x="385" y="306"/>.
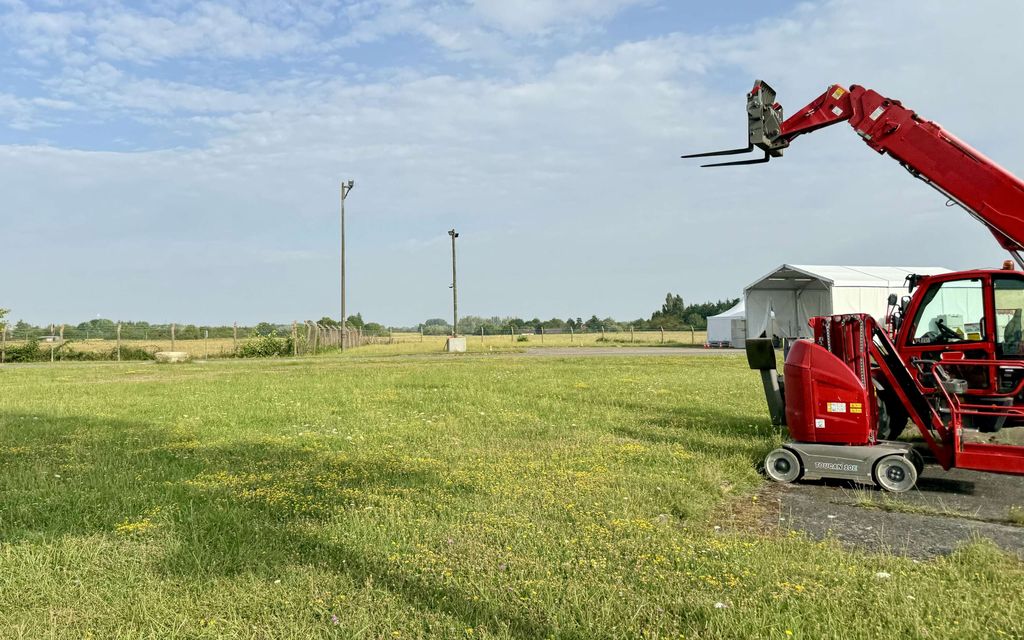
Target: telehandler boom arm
<point x="991" y="194"/>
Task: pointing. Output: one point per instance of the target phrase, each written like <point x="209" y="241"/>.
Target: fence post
<point x="391" y="335"/>
<point x="295" y="340"/>
<point x="51" y="343"/>
<point x="662" y="335"/>
<point x="692" y="339"/>
<point x="602" y="332"/>
<point x="572" y="334"/>
<point x="481" y="334"/>
<point x="3" y="342"/>
<point x="631" y="333"/>
<point x="234" y="334"/>
<point x="119" y="342"/>
<point x="542" y="335"/>
<point x="206" y="337"/>
<point x="172" y="336"/>
<point x="512" y="332"/>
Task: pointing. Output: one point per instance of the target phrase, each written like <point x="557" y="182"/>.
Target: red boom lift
<point x="949" y="356"/>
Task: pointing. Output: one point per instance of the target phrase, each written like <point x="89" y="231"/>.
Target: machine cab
<point x="976" y="314"/>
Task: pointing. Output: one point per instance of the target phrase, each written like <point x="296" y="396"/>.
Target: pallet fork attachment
<point x="764" y="126"/>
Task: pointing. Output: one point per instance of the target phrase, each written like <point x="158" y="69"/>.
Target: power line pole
<point x="346" y="187"/>
<point x="455" y="289"/>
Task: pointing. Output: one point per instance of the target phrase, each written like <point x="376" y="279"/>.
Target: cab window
<point x="950" y="312"/>
<point x="1009" y="302"/>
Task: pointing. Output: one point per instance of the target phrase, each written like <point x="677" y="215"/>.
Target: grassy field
<point x="456" y="497"/>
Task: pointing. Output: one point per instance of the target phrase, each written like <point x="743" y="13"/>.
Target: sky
<point x="180" y="162"/>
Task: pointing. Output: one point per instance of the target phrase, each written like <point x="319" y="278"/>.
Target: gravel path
<point x="629" y="351"/>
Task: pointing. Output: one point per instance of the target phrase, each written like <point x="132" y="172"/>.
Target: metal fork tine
<point x="738" y="163"/>
<point x="727" y="152"/>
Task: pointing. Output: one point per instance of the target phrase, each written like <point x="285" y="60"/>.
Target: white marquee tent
<point x="728" y="328"/>
<point x="781" y="302"/>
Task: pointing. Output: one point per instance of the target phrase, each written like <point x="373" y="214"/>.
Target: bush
<point x="522" y="338"/>
<point x="267" y="346"/>
<point x="28" y="352"/>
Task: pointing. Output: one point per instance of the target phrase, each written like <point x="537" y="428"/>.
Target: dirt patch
<point x="945" y="510"/>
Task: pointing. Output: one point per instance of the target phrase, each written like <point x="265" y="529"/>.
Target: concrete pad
<point x="456" y="345"/>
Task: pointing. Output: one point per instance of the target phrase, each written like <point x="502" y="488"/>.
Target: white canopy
<point x="722" y="328"/>
<point x="781" y="302"/>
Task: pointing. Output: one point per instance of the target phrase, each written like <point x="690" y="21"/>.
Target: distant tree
<point x="356" y="321"/>
<point x="327" y="322"/>
<point x="436" y="327"/>
<point x="673" y="305"/>
<point x="264" y="329"/>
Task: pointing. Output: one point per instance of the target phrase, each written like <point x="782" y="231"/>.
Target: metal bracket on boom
<point x="764" y="126"/>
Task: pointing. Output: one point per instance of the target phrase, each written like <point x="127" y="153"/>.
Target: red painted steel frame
<point x="844" y="337"/>
<point x="987" y="191"/>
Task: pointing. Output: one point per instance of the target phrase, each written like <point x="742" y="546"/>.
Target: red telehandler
<point x="948" y="356"/>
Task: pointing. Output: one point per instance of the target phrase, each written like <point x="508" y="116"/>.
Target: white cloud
<point x="567" y="182"/>
<point x="531" y="16"/>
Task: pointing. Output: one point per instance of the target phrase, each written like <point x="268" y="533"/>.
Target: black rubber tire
<point x="917" y="460"/>
<point x="892" y="417"/>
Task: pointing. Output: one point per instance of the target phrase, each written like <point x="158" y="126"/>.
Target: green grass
<point x="474" y="496"/>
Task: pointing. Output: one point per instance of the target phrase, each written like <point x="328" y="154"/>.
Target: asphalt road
<point x="946" y="509"/>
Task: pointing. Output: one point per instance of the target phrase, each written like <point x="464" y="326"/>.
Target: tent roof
<point x="736" y="312"/>
<point x="791" y="276"/>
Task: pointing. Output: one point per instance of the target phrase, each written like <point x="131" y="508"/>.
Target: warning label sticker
<point x="836" y="407"/>
<point x="876" y="113"/>
<point x="837" y="111"/>
<point x="819" y="423"/>
<point x="856" y="407"/>
<point x="838" y="93"/>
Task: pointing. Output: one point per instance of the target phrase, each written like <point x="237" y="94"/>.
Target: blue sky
<point x="176" y="161"/>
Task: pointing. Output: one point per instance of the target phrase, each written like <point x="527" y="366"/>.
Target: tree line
<point x="674" y="315"/>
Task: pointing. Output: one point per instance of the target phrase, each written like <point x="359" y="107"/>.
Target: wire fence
<point x="135" y="341"/>
<point x="131" y="341"/>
